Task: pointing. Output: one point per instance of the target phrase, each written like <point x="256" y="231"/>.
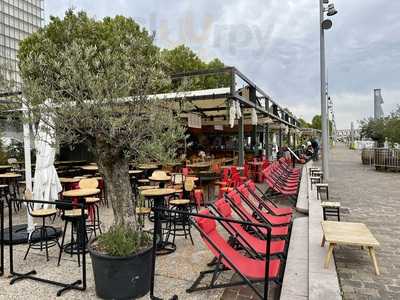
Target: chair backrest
<point x="188" y="185"/>
<point x="186" y="171"/>
<point x="205" y="224"/>
<point x="88" y="183"/>
<point x="243" y="189"/>
<point x="223" y="208"/>
<point x="225" y="174"/>
<point x="177" y="178"/>
<point x="216" y="168"/>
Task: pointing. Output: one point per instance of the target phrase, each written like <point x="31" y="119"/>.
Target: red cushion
<point x="249" y="267"/>
<point x="207" y="225"/>
<point x="223" y="208"/>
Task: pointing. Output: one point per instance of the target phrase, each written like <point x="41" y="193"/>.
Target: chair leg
<point x="62" y="244"/>
<point x="27" y="250"/>
<point x="98" y="218"/>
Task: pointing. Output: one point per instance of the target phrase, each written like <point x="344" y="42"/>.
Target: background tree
<point x="317" y="123"/>
<point x="304" y="123"/>
<point x="182" y="59"/>
<point x="381" y="129"/>
<point x="98" y="75"/>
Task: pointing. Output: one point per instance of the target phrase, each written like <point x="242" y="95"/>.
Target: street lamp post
<point x="324" y="24"/>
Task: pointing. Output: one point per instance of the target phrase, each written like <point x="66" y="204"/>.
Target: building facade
<point x="18" y="19"/>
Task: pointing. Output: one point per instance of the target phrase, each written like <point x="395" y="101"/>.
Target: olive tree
<point x="93" y="79"/>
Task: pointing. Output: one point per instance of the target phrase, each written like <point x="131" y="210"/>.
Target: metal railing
<point x="387" y="159"/>
<point x="368" y="156"/>
<point x="15" y="276"/>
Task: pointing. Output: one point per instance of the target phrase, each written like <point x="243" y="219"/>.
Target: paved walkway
<point x="373" y="198"/>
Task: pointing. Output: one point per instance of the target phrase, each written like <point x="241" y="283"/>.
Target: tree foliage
<point x="92" y="78"/>
<point x="381" y="129"/>
<point x="182" y="59"/>
<point x="317" y="123"/>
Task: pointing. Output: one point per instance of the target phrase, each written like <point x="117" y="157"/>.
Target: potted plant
<point x="97" y="75"/>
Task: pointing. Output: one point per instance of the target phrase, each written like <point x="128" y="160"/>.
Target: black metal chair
<point x="43" y="236"/>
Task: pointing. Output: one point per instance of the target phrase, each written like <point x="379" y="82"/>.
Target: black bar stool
<point x="179" y="224"/>
<point x="48" y="236"/>
<point x="75" y="246"/>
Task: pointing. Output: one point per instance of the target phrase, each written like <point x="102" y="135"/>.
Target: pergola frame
<point x="271" y="109"/>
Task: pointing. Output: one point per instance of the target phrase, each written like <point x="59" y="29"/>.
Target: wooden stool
<point x="142" y="212"/>
<point x="314" y="180"/>
<point x="313" y="169"/>
<point x="331" y="209"/>
<point x="322" y="187"/>
<point x="320" y="174"/>
<point x="45" y="242"/>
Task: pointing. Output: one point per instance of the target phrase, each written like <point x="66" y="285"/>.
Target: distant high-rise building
<point x="18" y="19"/>
<point x="378" y="101"/>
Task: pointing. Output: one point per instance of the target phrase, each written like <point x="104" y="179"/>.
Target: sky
<point x="276" y="44"/>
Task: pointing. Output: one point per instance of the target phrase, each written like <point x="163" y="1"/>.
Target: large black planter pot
<point x="121" y="277"/>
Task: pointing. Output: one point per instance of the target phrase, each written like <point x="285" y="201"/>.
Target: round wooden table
<point x="67" y="182"/>
<point x="147" y="168"/>
<point x="90" y="168"/>
<point x="158" y="196"/>
<point x="135" y="172"/>
<point x="11" y="179"/>
<point x="80" y="193"/>
<point x="5" y="168"/>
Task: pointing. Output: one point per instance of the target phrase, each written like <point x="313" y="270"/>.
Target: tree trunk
<point x="115" y="170"/>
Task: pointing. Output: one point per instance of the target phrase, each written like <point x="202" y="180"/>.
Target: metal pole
<point x="27" y="157"/>
<point x="324" y="122"/>
<point x="241" y="140"/>
<point x="266" y="140"/>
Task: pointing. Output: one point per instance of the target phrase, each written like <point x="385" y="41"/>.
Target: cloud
<point x="276" y="43"/>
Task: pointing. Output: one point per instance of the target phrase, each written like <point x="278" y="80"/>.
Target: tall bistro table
<point x="158" y="195"/>
<point x="11" y="179"/>
<point x="79" y="194"/>
<point x="351" y="234"/>
<point x="147" y="168"/>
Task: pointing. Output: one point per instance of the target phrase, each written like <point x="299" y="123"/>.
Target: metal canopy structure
<point x="212" y="103"/>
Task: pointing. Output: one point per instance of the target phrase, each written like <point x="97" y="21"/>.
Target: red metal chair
<point x="249" y="269"/>
<point x="236" y="203"/>
<point x="267" y="204"/>
<point x="242" y="237"/>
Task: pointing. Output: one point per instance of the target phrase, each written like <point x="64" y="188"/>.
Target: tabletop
<point x="348" y="233"/>
<point x="158" y="192"/>
<point x="81" y="192"/>
<point x="135" y="171"/>
<point x="90" y="168"/>
<point x="69" y="180"/>
<point x="199" y="165"/>
<point x="147" y="166"/>
<point x="10" y="175"/>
